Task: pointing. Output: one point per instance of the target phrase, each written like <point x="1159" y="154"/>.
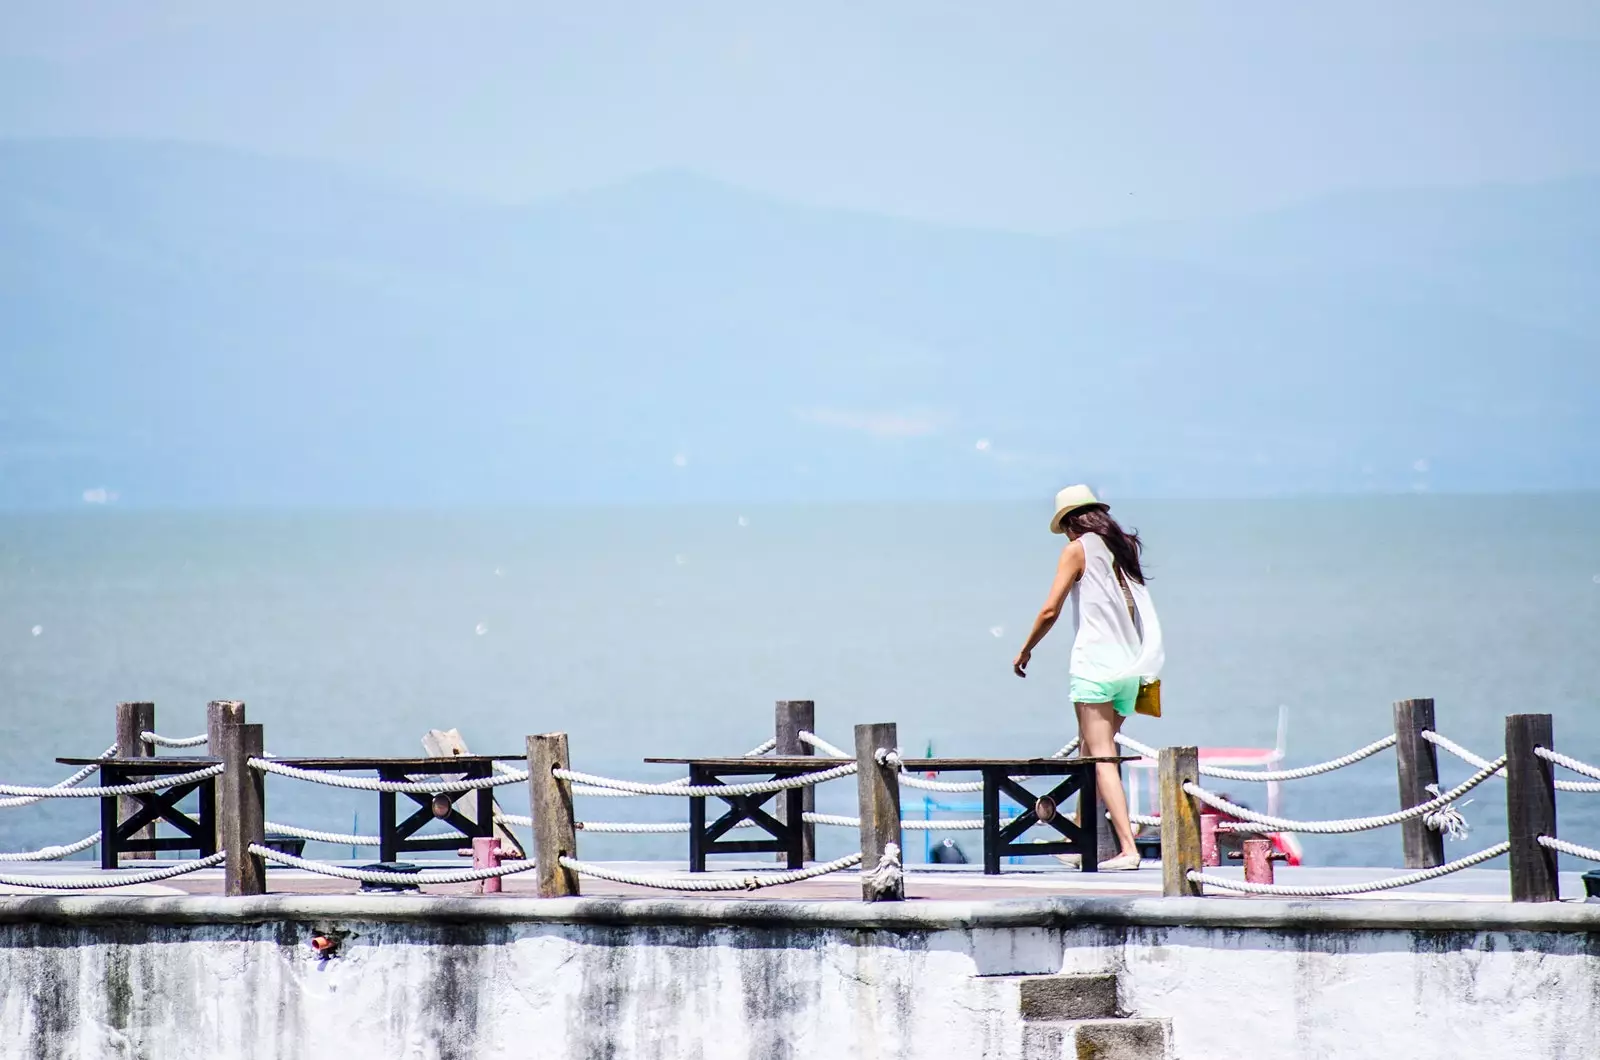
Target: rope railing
<point x="699" y="791"/>
<point x="751" y="882"/>
<point x="399" y="787"/>
<point x="1298" y="773"/>
<point x="1251" y="821"/>
<point x="1279" y="890"/>
<point x="107" y="880"/>
<point x="155" y="739"/>
<point x="343" y="839"/>
<point x="1579" y="767"/>
<point x="73" y="781"/>
<point x="114" y="789"/>
<point x="419" y="879"/>
<point x="914" y="824"/>
<point x="1576" y="786"/>
<point x="813" y="740"/>
<point x="1552" y="843"/>
<point x="54" y="853"/>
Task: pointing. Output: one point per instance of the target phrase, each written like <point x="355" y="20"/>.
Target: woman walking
<point x="1116" y="645"/>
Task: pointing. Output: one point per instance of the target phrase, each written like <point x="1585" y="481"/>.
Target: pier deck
<point x="923" y="882"/>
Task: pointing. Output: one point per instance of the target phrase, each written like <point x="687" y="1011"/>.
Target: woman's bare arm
<point x="1068" y="569"/>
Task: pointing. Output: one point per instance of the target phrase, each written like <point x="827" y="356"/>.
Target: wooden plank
<point x="1531" y="808"/>
<point x="878" y="793"/>
<point x="550" y="804"/>
<point x="413" y="763"/>
<point x="153" y="767"/>
<point x="1417" y="765"/>
<point x="241" y="813"/>
<point x="449" y="743"/>
<point x="220" y="713"/>
<point x="790" y="717"/>
<point x="1180" y="821"/>
<point x="132" y="720"/>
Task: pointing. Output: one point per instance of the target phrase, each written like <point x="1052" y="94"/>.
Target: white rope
<point x="419" y="879"/>
<point x="1067" y="748"/>
<point x="115" y="789"/>
<point x="700" y="883"/>
<point x="609" y="793"/>
<point x="924" y="784"/>
<point x="1587" y="853"/>
<point x="80" y="883"/>
<point x="761" y="748"/>
<point x="822" y="745"/>
<point x="1260" y="822"/>
<point x="72" y="781"/>
<point x="911" y="825"/>
<point x="1447" y="819"/>
<point x="1576" y="786"/>
<point x="1287" y="891"/>
<point x="415" y="787"/>
<point x="698" y="791"/>
<point x="514" y="818"/>
<point x="53" y="853"/>
<point x="1297" y="773"/>
<point x="1573" y="764"/>
<point x="344" y="839"/>
<point x="1144" y="818"/>
<point x="156" y="739"/>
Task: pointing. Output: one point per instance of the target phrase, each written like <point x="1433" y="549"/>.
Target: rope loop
<point x="700" y="791"/>
<point x="106" y="880"/>
<point x="752" y="882"/>
<point x="77" y="778"/>
<point x="400" y="787"/>
<point x="60" y="792"/>
<point x="1298" y="773"/>
<point x="155" y="739"/>
<point x="419" y="879"/>
<point x="54" y="853"/>
<point x="1340" y="890"/>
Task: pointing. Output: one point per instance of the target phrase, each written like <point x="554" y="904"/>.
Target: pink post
<point x="1208" y="840"/>
<point x="486" y="855"/>
<point x="1258" y="860"/>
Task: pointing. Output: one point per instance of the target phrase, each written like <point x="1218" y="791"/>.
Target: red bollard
<point x="1258" y="860"/>
<point x="1208" y="839"/>
<point x="486" y="855"/>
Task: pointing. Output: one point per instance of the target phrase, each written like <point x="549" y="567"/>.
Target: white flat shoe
<point x="1120" y="863"/>
<point x="1074" y="861"/>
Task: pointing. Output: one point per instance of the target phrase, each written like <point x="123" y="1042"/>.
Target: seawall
<point x="438" y="978"/>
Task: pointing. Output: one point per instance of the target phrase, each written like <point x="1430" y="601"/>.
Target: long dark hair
<point x="1124" y="544"/>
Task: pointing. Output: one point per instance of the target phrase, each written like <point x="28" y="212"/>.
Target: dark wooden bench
<point x="118" y="837"/>
<point x="786" y="836"/>
<point x="1004" y="776"/>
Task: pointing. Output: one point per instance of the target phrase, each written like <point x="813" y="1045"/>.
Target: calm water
<point x="671" y="631"/>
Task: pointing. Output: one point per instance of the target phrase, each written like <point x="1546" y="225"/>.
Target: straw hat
<point x="1070" y="500"/>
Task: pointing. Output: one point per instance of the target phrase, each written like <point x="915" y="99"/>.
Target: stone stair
<point x="1076" y="1017"/>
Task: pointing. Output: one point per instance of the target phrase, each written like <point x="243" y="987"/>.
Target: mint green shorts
<point x="1122" y="694"/>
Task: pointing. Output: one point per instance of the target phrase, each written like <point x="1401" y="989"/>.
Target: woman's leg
<point x="1098" y="725"/>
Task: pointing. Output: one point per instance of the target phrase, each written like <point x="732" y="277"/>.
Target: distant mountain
<point x="187" y="325"/>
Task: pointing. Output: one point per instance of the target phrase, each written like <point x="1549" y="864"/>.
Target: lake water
<point x="672" y="631"/>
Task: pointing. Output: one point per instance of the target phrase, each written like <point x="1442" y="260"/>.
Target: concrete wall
<point x="180" y="978"/>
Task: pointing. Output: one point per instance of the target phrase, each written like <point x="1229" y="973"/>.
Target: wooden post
<point x="1531" y="808"/>
<point x="555" y="835"/>
<point x="791" y="717"/>
<point x="879" y="788"/>
<point x="132" y="720"/>
<point x="1180" y="821"/>
<point x="219" y="714"/>
<point x="1418" y="763"/>
<point x="242" y="811"/>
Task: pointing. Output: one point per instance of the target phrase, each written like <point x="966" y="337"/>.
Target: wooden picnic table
<point x="395" y="836"/>
<point x="786" y="832"/>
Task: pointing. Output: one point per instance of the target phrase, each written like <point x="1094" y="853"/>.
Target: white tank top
<point x="1107" y="644"/>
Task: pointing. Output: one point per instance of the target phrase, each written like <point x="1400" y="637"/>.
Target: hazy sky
<point x="1035" y="116"/>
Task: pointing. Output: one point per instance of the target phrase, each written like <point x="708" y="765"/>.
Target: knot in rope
<point x="1447" y="819"/>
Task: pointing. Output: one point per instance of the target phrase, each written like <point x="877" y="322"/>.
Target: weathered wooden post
<point x="1531" y="808"/>
<point x="555" y="833"/>
<point x="221" y="713"/>
<point x="792" y="717"/>
<point x="1180" y="821"/>
<point x="1417" y="761"/>
<point x="133" y="720"/>
<point x="878" y="784"/>
<point x="242" y="810"/>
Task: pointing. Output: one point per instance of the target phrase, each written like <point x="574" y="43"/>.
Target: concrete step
<point x="1067" y="997"/>
<point x="1097" y="1039"/>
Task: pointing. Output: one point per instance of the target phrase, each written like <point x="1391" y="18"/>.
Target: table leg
<point x="208" y="817"/>
<point x="697" y="823"/>
<point x="388" y="841"/>
<point x="794" y="809"/>
<point x="991" y="823"/>
<point x="108" y="821"/>
<point x="1089" y="829"/>
<point x="485" y="815"/>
